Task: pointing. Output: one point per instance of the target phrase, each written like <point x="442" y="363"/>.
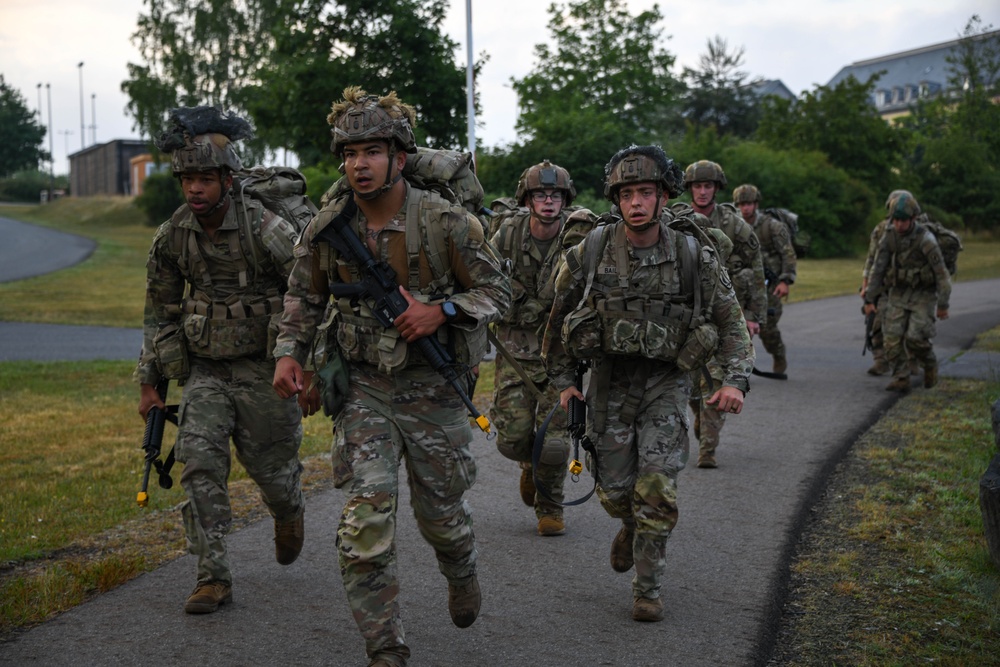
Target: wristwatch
<point x="450" y="311"/>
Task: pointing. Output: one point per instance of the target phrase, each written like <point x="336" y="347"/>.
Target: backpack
<point x="800" y="239"/>
<point x="282" y="191"/>
<point x="949" y="241"/>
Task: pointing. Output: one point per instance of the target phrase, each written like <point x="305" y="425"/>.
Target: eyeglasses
<point x="540" y="196"/>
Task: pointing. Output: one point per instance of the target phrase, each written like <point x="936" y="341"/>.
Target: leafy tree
<point x="161" y="196"/>
<point x="842" y="123"/>
<point x="719" y="94"/>
<point x="21" y="134"/>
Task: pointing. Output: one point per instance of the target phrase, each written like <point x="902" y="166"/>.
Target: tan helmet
<point x="746" y="194"/>
<point x="205" y="152"/>
<point x="893" y="196"/>
<point x="704" y="170"/>
<point x="363" y="117"/>
<point x="642" y="164"/>
<point x="905" y="207"/>
<point x="544" y="176"/>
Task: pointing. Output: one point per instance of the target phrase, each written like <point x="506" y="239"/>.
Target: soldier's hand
<point x="419" y="319"/>
<point x="565" y="395"/>
<point x="309" y="399"/>
<point x="727" y="399"/>
<point x="781" y="290"/>
<point x="869" y="309"/>
<point x="753" y="328"/>
<point x="288" y="377"/>
<point x="942" y="313"/>
<point x="148" y="398"/>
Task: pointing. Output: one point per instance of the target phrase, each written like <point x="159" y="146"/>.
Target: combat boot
<point x="901" y="384"/>
<point x="647" y="610"/>
<point x="288" y="538"/>
<point x="621" y="548"/>
<point x="880" y="367"/>
<point x="914" y="367"/>
<point x="930" y="376"/>
<point x="780" y="365"/>
<point x="707" y="460"/>
<point x="551" y="524"/>
<point x="206" y="598"/>
<point x="527" y="487"/>
<point x="464" y="601"/>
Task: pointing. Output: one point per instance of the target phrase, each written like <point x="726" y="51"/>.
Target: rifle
<point x="869" y="324"/>
<point x="378" y="285"/>
<point x="152" y="440"/>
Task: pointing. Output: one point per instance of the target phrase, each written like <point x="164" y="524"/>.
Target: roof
<point x="774" y="87"/>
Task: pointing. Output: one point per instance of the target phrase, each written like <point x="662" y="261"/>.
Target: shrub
<point x="161" y="196"/>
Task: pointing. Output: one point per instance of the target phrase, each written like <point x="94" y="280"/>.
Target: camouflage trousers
<point x="224" y="399"/>
<point x="638" y="463"/>
<point x="517" y="415"/>
<point x="708" y="421"/>
<point x="878" y="337"/>
<point x="415" y="417"/>
<point x="908" y="327"/>
<point x="770" y="336"/>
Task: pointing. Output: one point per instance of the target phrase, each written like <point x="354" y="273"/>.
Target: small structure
<point x="774" y="87"/>
<point x="140" y="167"/>
<point x="104" y="169"/>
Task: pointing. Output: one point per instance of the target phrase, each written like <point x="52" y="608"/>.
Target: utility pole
<point x="470" y="104"/>
<point x="52" y="159"/>
<point x="93" y="118"/>
<point x="39" y="86"/>
<point x="66" y="134"/>
<point x="83" y="132"/>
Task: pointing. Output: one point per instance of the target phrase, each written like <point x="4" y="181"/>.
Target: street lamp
<point x="52" y="160"/>
<point x="82" y="131"/>
<point x="66" y="134"/>
<point x="93" y="118"/>
<point x="39" y="86"/>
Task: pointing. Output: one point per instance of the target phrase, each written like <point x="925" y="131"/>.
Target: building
<point x="907" y="76"/>
<point x="141" y="166"/>
<point x="774" y="87"/>
<point x="104" y="169"/>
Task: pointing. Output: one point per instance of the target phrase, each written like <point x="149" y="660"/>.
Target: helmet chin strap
<point x="390" y="180"/>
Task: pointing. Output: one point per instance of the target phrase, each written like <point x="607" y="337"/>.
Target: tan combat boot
<point x="206" y="598"/>
<point x="901" y="384"/>
<point x="780" y="365"/>
<point x="550" y="525"/>
<point x="647" y="610"/>
<point x="288" y="538"/>
<point x="707" y="460"/>
<point x="621" y="549"/>
<point x="527" y="487"/>
<point x="930" y="376"/>
<point x="464" y="601"/>
<point x="880" y="367"/>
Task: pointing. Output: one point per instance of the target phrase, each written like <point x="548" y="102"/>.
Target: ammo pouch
<point x="469" y="345"/>
<point x="332" y="374"/>
<point x="171" y="352"/>
<point x="582" y="333"/>
<point x="699" y="347"/>
<point x="227" y="338"/>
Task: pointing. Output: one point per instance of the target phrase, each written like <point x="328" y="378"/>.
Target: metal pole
<point x="93" y="118"/>
<point x="470" y="105"/>
<point x="83" y="132"/>
<point x="66" y="134"/>
<point x="39" y="103"/>
<point x="52" y="158"/>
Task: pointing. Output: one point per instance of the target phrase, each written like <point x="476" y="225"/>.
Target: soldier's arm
<point x="279" y="236"/>
<point x="941" y="276"/>
<point x="306" y="298"/>
<point x="876" y="279"/>
<point x="559" y="365"/>
<point x="164" y="287"/>
<point x="788" y="260"/>
<point x="735" y="352"/>
<point x="486" y="292"/>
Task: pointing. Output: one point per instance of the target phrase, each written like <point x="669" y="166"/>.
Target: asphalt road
<point x="29" y="250"/>
<point x="547" y="601"/>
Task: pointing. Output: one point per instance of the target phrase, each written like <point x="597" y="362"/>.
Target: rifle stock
<point x="869" y="324"/>
<point x="152" y="442"/>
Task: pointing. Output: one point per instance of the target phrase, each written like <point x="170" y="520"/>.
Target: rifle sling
<point x="518" y="368"/>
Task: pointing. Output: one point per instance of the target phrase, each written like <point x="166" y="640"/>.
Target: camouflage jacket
<point x="909" y="265"/>
<point x="873" y="242"/>
<point x="643" y="275"/>
<point x="452" y="260"/>
<point x="223" y="277"/>
<point x="776" y="247"/>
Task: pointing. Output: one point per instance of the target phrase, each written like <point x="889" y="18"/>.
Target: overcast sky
<point x="804" y="44"/>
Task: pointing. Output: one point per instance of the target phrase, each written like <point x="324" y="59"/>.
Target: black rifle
<point x="379" y="287"/>
<point x="152" y="440"/>
<point x="869" y="324"/>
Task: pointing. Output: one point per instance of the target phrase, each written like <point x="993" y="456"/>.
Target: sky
<point x="804" y="44"/>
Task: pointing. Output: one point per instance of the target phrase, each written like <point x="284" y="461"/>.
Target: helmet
<point x="205" y="152"/>
<point x="893" y="196"/>
<point x="905" y="207"/>
<point x="543" y="176"/>
<point x="746" y="194"/>
<point x="642" y="164"/>
<point x="704" y="170"/>
<point x="363" y="117"/>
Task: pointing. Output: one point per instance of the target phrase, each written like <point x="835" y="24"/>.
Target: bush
<point x="318" y="180"/>
<point x="161" y="196"/>
<point x="27" y="186"/>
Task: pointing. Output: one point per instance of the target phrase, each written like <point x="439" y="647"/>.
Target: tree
<point x="842" y="123"/>
<point x="605" y="84"/>
<point x="20" y="134"/>
<point x="275" y="60"/>
<point x="719" y="94"/>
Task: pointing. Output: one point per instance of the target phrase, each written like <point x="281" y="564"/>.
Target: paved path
<point x="30" y="250"/>
<point x="547" y="601"/>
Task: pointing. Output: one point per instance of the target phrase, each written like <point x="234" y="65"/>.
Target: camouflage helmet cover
<point x="363" y="117"/>
<point x="704" y="170"/>
<point x="544" y="176"/>
<point x="201" y="139"/>
<point x="893" y="196"/>
<point x="746" y="194"/>
<point x="905" y="207"/>
<point x="642" y="164"/>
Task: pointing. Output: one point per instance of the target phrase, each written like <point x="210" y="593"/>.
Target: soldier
<point x="398" y="408"/>
<point x="704" y="180"/>
<point x="216" y="274"/>
<point x="646" y="304"/>
<point x="534" y="239"/>
<point x="779" y="268"/>
<point x="910" y="270"/>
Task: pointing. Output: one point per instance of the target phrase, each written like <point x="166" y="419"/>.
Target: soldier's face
<point x="702" y="193"/>
<point x="902" y="225"/>
<point x="367" y="165"/>
<point x="639" y="203"/>
<point x="203" y="190"/>
<point x="546" y="204"/>
<point x="747" y="209"/>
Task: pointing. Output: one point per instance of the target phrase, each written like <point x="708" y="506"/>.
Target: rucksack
<point x="949" y="241"/>
<point x="282" y="191"/>
<point x="800" y="239"/>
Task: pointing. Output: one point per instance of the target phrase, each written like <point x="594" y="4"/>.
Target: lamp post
<point x="93" y="118"/>
<point x="66" y="134"/>
<point x="52" y="165"/>
<point x="470" y="106"/>
<point x="39" y="86"/>
<point x="83" y="136"/>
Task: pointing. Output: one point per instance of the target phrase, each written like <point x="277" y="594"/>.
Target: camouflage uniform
<point x="780" y="261"/>
<point x="881" y="365"/>
<point x="746" y="269"/>
<point x="910" y="271"/>
<point x="637" y="405"/>
<point x="398" y="407"/>
<point x="226" y="318"/>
